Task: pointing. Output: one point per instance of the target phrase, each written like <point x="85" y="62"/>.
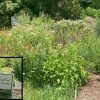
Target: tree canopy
<point x="55" y="8"/>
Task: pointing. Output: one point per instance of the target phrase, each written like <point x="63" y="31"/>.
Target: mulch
<point x="92" y="89"/>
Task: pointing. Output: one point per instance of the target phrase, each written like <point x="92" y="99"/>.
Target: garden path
<point x="92" y="90"/>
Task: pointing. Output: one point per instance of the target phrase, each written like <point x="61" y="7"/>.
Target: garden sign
<point x="6" y="84"/>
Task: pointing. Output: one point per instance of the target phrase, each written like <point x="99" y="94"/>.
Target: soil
<point x="17" y="90"/>
<point x="92" y="90"/>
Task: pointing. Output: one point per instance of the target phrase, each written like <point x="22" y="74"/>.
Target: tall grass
<point x="48" y="93"/>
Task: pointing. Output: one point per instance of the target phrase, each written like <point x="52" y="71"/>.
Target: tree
<point x="92" y="3"/>
<point x="61" y="8"/>
<point x="9" y="7"/>
<point x="95" y="4"/>
<point x="70" y="9"/>
<point x="85" y="3"/>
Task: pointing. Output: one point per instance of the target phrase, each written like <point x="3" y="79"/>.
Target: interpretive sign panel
<point x="6" y="81"/>
<point x="6" y="84"/>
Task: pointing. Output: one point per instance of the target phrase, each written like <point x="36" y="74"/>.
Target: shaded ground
<point x="92" y="90"/>
<point x="17" y="90"/>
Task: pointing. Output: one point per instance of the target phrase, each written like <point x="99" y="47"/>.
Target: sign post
<point x="6" y="85"/>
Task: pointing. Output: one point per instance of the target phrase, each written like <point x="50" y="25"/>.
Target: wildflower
<point x="23" y="73"/>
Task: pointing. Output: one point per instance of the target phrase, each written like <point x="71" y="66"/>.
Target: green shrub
<point x="2" y="62"/>
<point x="64" y="65"/>
<point x="42" y="58"/>
<point x="33" y="44"/>
<point x="7" y="62"/>
<point x="90" y="12"/>
<point x="15" y="64"/>
<point x="17" y="67"/>
<point x="95" y="4"/>
<point x="69" y="9"/>
<point x="23" y="19"/>
<point x="97" y="27"/>
<point x="90" y="49"/>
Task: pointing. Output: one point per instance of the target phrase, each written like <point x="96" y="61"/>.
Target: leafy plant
<point x="89" y="49"/>
<point x="64" y="64"/>
<point x="97" y="27"/>
<point x="17" y="67"/>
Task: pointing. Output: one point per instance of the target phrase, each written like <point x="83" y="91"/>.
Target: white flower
<point x="59" y="45"/>
<point x="23" y="73"/>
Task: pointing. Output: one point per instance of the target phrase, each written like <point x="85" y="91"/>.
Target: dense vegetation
<point x="55" y="53"/>
<point x="58" y="55"/>
<point x="12" y="65"/>
<point x="57" y="9"/>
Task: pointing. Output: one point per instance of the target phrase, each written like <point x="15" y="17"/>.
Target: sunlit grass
<point x="6" y="69"/>
<point x="48" y="93"/>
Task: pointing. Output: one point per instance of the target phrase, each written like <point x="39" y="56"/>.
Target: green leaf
<point x="58" y="81"/>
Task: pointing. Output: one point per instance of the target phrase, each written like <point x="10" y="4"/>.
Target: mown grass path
<point x="92" y="90"/>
